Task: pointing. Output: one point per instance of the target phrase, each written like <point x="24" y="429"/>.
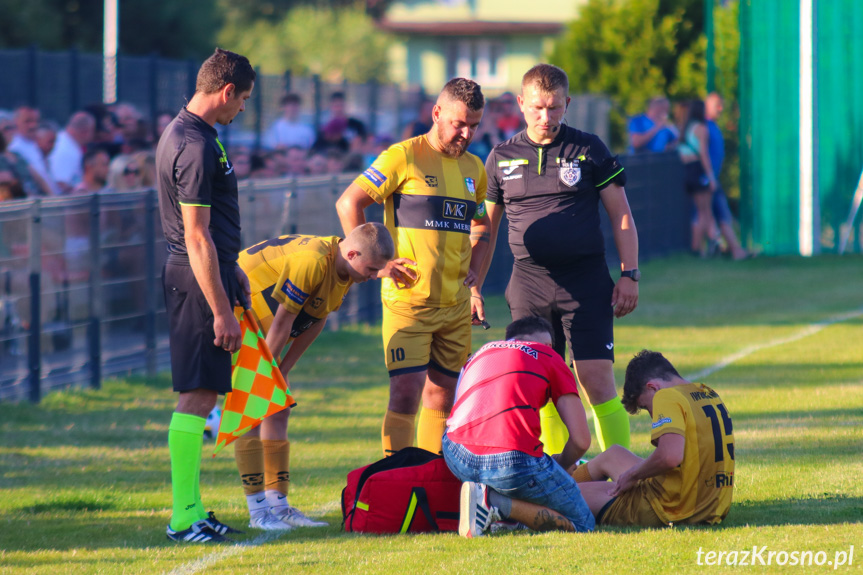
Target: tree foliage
<point x="173" y="29"/>
<point x="338" y="44"/>
<point x="633" y="50"/>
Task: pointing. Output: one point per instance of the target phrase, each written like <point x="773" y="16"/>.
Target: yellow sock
<point x="397" y="431"/>
<point x="611" y="423"/>
<point x="554" y="433"/>
<point x="277" y="456"/>
<point x="249" y="454"/>
<point x="582" y="474"/>
<point x="430" y="430"/>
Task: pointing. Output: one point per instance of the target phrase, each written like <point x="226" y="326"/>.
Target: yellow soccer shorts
<point x="417" y="338"/>
<point x="630" y="508"/>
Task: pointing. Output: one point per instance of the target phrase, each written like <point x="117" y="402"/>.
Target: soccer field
<point x="85" y="479"/>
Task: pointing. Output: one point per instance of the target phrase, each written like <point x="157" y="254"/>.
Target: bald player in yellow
<point x="433" y="193"/>
<point x="689" y="478"/>
<point x="296" y="281"/>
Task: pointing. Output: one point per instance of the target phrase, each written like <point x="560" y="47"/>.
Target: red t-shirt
<point x="500" y="392"/>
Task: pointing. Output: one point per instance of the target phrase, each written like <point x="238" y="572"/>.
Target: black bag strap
<point x="420" y="499"/>
<point x="407" y="457"/>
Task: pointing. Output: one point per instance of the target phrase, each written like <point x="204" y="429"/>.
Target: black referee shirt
<point x="193" y="169"/>
<point x="551" y="195"/>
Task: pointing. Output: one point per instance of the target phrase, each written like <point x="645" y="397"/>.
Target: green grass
<point x="84" y="476"/>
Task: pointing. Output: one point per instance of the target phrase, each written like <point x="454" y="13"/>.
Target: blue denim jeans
<point x="518" y="475"/>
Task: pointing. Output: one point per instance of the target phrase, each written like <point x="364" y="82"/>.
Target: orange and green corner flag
<point x="259" y="389"/>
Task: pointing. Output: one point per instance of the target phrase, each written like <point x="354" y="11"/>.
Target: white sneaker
<point x="295" y="518"/>
<point x="475" y="513"/>
<point x="263" y="519"/>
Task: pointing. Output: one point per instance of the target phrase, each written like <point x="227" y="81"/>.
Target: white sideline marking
<point x="213" y="558"/>
<point x="207" y="560"/>
<point x="810" y="329"/>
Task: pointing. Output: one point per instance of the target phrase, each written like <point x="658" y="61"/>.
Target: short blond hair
<point x="375" y="238"/>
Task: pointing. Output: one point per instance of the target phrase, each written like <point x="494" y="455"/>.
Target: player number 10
<point x="397" y="354"/>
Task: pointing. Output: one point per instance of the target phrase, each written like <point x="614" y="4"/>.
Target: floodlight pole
<point x="110" y="42"/>
<point x="708" y="32"/>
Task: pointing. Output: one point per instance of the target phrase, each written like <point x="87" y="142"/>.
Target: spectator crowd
<point x="692" y="131"/>
<point x="110" y="148"/>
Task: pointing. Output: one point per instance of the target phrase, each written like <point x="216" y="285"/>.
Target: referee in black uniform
<point x="201" y="220"/>
<point x="550" y="179"/>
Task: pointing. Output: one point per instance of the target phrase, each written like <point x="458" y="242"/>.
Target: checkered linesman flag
<point x="259" y="389"/>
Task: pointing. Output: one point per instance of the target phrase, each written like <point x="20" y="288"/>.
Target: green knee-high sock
<point x="185" y="444"/>
<point x="199" y="505"/>
<point x="611" y="423"/>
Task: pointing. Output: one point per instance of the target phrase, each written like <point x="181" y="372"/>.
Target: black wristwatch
<point x="634" y="275"/>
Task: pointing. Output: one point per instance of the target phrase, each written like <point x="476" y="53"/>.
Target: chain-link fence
<point x="80" y="277"/>
<point x="60" y="83"/>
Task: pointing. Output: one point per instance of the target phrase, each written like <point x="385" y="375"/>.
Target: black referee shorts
<point x="196" y="363"/>
<point x="577" y="302"/>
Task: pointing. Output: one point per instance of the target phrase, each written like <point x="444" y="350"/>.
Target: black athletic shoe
<point x="218" y="526"/>
<point x="198" y="532"/>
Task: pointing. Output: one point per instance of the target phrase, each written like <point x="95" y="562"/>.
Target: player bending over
<point x="296" y="282"/>
<point x="690" y="476"/>
<point x="492" y="438"/>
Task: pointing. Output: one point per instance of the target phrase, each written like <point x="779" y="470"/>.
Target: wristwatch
<point x="633" y="274"/>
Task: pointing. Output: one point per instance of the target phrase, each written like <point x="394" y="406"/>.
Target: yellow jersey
<point x="699" y="489"/>
<point x="297" y="272"/>
<point x="429" y="202"/>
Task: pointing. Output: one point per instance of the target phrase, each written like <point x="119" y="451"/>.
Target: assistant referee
<point x="549" y="179"/>
<point x="199" y="205"/>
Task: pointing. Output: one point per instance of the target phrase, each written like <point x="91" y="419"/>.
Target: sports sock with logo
<point x="277" y="464"/>
<point x="185" y="445"/>
<point x="398" y="431"/>
<point x="249" y="455"/>
<point x="611" y="423"/>
<point x="430" y="429"/>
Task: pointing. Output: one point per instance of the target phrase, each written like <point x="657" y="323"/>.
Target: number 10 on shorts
<point x="397" y="354"/>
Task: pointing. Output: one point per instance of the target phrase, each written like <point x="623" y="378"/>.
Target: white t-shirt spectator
<point x="285" y="134"/>
<point x="65" y="160"/>
<point x="30" y="151"/>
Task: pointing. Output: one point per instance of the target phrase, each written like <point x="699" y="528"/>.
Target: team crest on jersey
<point x="471" y="185"/>
<point x="570" y="172"/>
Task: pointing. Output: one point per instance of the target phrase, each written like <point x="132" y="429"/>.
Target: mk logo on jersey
<point x="431" y="181"/>
<point x="454" y="210"/>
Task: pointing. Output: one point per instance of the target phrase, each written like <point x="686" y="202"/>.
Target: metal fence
<point x="81" y="276"/>
<point x="60" y="83"/>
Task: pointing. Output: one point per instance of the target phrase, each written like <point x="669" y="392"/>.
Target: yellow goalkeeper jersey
<point x="429" y="201"/>
<point x="297" y="272"/>
<point x="699" y="489"/>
